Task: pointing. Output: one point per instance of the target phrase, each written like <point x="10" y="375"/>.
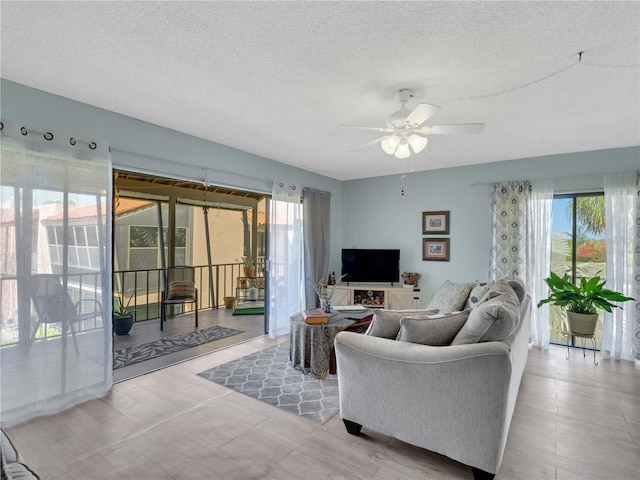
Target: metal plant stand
<point x="584" y="337"/>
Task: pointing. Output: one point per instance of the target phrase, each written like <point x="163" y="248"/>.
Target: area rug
<point x="146" y="351"/>
<point x="268" y="376"/>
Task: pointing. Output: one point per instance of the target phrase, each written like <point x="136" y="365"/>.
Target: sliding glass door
<point x="578" y="248"/>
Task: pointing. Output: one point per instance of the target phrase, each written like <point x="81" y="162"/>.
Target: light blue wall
<point x="376" y="216"/>
<point x="367" y="213"/>
<point x="162" y="151"/>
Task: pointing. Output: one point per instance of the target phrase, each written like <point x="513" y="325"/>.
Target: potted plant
<point x="583" y="302"/>
<point x="122" y="317"/>
<point x="248" y="266"/>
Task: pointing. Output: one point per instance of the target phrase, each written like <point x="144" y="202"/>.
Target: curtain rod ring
<point x="93" y="145"/>
<point x="24" y="131"/>
<point x="1" y="125"/>
<point x="72" y="141"/>
<point x="48" y="136"/>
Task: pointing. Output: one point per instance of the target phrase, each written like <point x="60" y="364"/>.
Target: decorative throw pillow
<point x="477" y="293"/>
<point x="518" y="286"/>
<point x="451" y="296"/>
<point x="436" y="331"/>
<point x="386" y="323"/>
<point x="181" y="290"/>
<point x="495" y="319"/>
<point x="503" y="287"/>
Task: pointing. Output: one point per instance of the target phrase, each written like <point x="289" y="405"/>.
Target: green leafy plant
<point x="588" y="297"/>
<point x="120" y="310"/>
<point x="246" y="261"/>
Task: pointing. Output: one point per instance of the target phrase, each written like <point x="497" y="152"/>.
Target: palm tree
<point x="590" y="213"/>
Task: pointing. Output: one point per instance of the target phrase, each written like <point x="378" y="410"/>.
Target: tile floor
<point x="572" y="421"/>
<point x="148" y="331"/>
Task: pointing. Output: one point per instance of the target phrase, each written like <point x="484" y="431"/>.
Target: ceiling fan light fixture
<point x="390" y="144"/>
<point x="403" y="150"/>
<point x="417" y="143"/>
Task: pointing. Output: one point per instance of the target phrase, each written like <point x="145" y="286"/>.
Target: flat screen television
<point x="370" y="265"/>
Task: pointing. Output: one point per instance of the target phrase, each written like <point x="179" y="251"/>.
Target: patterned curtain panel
<point x="509" y="203"/>
<point x="521" y="243"/>
<point x="55" y="276"/>
<point x="621" y="329"/>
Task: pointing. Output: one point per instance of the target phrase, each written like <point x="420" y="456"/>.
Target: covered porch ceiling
<point x="158" y="188"/>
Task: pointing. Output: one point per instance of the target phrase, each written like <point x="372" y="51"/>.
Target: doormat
<point x="249" y="311"/>
<point x="147" y="351"/>
<point x="268" y="376"/>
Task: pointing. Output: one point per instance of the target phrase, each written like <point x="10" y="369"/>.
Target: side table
<point x="571" y="335"/>
<point x="310" y="345"/>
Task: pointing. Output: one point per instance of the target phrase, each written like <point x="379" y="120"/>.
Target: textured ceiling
<point x="277" y="79"/>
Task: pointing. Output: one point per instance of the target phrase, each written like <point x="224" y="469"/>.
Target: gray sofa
<point x="10" y="463"/>
<point x="455" y="400"/>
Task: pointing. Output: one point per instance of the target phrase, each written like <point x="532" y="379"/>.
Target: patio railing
<point x="141" y="290"/>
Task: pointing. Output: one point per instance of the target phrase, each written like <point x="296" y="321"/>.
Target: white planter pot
<point x="253" y="293"/>
<point x="582" y="323"/>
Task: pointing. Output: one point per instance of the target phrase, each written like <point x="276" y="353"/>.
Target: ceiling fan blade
<point x="377" y="129"/>
<point x="457" y="128"/>
<point x="367" y="145"/>
<point x="421" y="113"/>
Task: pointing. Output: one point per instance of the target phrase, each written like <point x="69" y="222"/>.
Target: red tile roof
<point x="125" y="205"/>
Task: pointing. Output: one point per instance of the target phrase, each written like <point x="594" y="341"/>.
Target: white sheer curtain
<point x="539" y="258"/>
<point x="286" y="273"/>
<point x="621" y="328"/>
<point x="521" y="243"/>
<point x="55" y="285"/>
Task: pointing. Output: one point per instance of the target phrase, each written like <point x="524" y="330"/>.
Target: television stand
<point x="376" y="296"/>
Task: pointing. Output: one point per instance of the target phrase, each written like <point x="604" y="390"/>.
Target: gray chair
<point x="180" y="288"/>
<point x="54" y="305"/>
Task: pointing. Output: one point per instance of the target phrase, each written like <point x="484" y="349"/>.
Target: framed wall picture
<point x="434" y="223"/>
<point x="436" y="249"/>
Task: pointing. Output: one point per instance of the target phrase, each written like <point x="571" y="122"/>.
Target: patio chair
<point x="180" y="288"/>
<point x="54" y="305"/>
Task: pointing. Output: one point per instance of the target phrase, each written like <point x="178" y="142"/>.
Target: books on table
<point x="316" y="316"/>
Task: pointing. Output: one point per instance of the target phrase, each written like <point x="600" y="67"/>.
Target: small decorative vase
<point x="325" y="304"/>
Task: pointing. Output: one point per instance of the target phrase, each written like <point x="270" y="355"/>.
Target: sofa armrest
<point x="12" y="468"/>
<point x="452" y="400"/>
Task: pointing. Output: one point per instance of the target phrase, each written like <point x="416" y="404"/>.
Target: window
<point x="144" y="246"/>
<point x="578" y="248"/>
<point x="83" y="246"/>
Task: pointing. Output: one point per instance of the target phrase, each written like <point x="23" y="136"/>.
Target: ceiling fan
<point x="406" y="132"/>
